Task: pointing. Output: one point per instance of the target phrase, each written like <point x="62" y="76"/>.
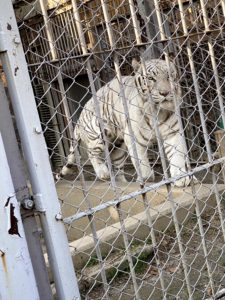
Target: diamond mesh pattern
<point x="136" y="239"/>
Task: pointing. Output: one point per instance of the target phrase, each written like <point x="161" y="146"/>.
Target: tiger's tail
<point x="68" y="168"/>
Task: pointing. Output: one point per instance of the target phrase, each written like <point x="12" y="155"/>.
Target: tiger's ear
<point x="135" y="64"/>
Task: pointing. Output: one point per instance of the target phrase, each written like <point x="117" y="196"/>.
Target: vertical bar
<point x="16" y="272"/>
<point x="159" y="19"/>
<point x="137" y="31"/>
<point x="11" y="147"/>
<point x="92" y="86"/>
<point x="195" y="82"/>
<point x="123" y="98"/>
<point x="42" y="182"/>
<point x="153" y="50"/>
<point x="213" y="61"/>
<point x="197" y="208"/>
<point x="177" y="108"/>
<point x="205" y="134"/>
<point x="91" y="221"/>
<point x="84" y="49"/>
<point x="131" y="134"/>
<point x="91" y="80"/>
<point x="170" y="196"/>
<point x="48" y="30"/>
<point x="223" y="6"/>
<point x="163" y="159"/>
<point x="17" y="170"/>
<point x="220" y="99"/>
<point x="54" y="118"/>
<point x="116" y="63"/>
<point x="144" y="196"/>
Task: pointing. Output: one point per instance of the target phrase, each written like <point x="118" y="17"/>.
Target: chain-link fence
<point x="130" y="98"/>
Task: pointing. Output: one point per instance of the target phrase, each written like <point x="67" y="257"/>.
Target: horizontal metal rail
<point x="92" y="54"/>
<point x="146" y="189"/>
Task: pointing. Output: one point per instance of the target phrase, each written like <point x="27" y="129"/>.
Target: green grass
<point x="93" y="261"/>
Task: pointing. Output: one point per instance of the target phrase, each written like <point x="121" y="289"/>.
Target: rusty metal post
<point x="35" y="152"/>
<point x="16" y="271"/>
<point x="18" y="174"/>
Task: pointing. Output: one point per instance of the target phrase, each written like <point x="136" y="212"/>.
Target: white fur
<point x="136" y="91"/>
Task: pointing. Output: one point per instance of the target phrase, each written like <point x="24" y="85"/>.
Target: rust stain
<point x="13" y="222"/>
<point x="15" y="71"/>
<point x="9" y="27"/>
<point x="2" y="255"/>
<point x="7" y="202"/>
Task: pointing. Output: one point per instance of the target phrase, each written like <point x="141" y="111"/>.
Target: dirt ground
<point x="171" y="266"/>
<point x="120" y="283"/>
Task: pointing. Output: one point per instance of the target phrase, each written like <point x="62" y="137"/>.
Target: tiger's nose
<point x="164" y="93"/>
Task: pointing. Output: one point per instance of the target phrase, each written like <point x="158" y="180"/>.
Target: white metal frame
<point x="16" y="271"/>
<point x="42" y="182"/>
<point x="40" y="176"/>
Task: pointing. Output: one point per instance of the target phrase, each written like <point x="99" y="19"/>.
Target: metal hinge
<point x="39" y="207"/>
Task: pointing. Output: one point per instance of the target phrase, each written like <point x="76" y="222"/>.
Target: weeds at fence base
<point x="117" y="265"/>
<point x="147" y="271"/>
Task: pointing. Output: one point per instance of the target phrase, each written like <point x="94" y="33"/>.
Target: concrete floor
<point x="74" y="201"/>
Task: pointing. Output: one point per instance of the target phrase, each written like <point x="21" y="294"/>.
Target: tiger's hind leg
<point x="96" y="156"/>
<point x="118" y="157"/>
<point x="68" y="168"/>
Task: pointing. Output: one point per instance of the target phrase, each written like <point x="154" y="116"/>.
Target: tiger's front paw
<point x="185" y="181"/>
<point x="102" y="172"/>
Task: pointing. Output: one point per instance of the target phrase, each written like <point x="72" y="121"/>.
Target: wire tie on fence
<point x="59" y="217"/>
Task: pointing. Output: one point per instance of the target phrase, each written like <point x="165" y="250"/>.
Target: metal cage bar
<point x="127" y="239"/>
<point x="45" y="197"/>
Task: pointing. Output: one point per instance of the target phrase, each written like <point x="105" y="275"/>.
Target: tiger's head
<point x="156" y="80"/>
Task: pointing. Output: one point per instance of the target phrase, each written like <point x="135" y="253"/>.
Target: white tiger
<point x="88" y="131"/>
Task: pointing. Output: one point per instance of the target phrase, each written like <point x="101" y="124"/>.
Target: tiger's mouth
<point x="167" y="104"/>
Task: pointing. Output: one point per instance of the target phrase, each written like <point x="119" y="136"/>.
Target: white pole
<point x="35" y="151"/>
<point x="17" y="279"/>
<point x="17" y="170"/>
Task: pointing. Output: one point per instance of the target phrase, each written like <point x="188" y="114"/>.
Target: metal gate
<point x="132" y="238"/>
